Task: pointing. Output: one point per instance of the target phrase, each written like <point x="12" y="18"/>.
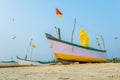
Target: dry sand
<point x="101" y="71"/>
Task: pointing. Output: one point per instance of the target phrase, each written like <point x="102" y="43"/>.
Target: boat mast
<point x="58" y="32"/>
<point x="30" y="43"/>
<point x="73" y="30"/>
<point x="103" y="42"/>
<point x="31" y="53"/>
<point x="59" y="35"/>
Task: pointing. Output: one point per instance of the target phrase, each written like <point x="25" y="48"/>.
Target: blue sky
<point x="33" y="18"/>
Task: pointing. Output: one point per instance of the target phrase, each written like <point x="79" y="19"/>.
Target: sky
<point x="26" y="19"/>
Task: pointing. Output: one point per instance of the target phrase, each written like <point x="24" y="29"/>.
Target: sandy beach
<point x="89" y="71"/>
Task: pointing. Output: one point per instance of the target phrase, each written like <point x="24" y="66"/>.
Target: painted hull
<point x="23" y="62"/>
<point x="68" y="51"/>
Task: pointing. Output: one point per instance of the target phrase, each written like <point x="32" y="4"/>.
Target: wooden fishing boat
<point x="24" y="62"/>
<point x="68" y="51"/>
<point x="28" y="62"/>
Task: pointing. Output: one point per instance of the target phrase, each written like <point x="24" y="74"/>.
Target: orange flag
<point x="33" y="46"/>
<point x="59" y="14"/>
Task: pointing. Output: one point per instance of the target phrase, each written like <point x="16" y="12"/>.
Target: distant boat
<point x="8" y="63"/>
<point x="28" y="62"/>
<point x="23" y="62"/>
<point x="68" y="51"/>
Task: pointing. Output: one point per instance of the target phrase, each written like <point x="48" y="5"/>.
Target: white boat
<point x="29" y="62"/>
<point x="68" y="51"/>
<point x="23" y="62"/>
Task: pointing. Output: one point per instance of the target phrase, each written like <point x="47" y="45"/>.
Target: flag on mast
<point x="58" y="13"/>
<point x="34" y="46"/>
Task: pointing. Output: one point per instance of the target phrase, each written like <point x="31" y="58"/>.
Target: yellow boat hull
<point x="79" y="58"/>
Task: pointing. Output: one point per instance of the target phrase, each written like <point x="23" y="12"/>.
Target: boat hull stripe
<point x="79" y="58"/>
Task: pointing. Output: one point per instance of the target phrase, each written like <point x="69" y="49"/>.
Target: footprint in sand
<point x="63" y="78"/>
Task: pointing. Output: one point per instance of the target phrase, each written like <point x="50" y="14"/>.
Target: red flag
<point x="59" y="14"/>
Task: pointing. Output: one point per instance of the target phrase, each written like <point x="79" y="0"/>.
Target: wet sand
<point x="89" y="71"/>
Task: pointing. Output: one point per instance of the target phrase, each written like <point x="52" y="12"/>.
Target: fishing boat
<point x="24" y="62"/>
<point x="28" y="62"/>
<point x="68" y="51"/>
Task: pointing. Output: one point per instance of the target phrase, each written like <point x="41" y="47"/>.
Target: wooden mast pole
<point x="103" y="42"/>
<point x="30" y="43"/>
<point x="73" y="30"/>
<point x="57" y="29"/>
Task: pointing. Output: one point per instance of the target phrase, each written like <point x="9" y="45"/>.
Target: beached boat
<point x="8" y="64"/>
<point x="69" y="51"/>
<point x="28" y="62"/>
<point x="24" y="62"/>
